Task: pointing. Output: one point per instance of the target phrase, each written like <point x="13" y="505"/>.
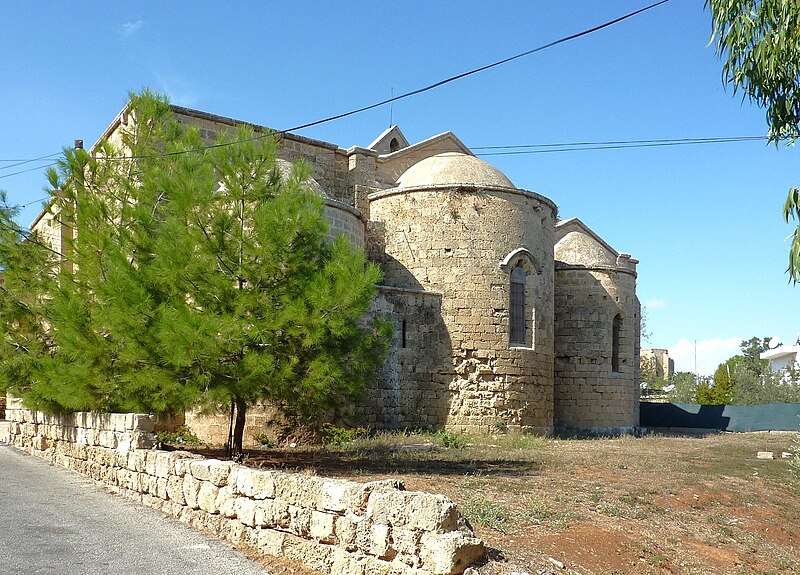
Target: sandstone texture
<point x="335" y="526"/>
<point x="449" y="231"/>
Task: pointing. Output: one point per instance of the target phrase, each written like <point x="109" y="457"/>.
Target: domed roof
<point x="285" y="170"/>
<point x="453" y="168"/>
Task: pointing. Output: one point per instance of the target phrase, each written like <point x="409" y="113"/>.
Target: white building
<point x="781" y="357"/>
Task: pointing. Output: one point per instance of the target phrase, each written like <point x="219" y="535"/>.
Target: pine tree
<point x="202" y="276"/>
<point x="28" y="267"/>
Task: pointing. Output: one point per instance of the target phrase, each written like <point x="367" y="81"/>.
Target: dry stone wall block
<point x="255" y="484"/>
<point x="448" y="553"/>
<point x="191" y="488"/>
<point x="246" y="511"/>
<point x="338" y="527"/>
<point x="207" y="497"/>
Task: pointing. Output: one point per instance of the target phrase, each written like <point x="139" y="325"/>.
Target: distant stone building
<point x="504" y="315"/>
<point x="657" y="362"/>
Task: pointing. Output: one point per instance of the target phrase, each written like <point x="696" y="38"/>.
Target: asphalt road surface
<point x="56" y="522"/>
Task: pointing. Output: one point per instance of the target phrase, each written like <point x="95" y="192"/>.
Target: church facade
<point x="505" y="316"/>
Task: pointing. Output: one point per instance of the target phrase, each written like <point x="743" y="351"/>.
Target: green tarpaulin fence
<point x="763" y="417"/>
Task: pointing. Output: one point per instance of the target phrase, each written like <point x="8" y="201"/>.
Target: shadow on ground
<point x="378" y="461"/>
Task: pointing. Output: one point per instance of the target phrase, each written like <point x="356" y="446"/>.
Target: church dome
<point x="452" y="169"/>
<point x="285" y="168"/>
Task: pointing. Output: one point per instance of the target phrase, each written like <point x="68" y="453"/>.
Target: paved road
<point x="56" y="522"/>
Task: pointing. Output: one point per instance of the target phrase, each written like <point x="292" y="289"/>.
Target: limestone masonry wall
<point x="590" y="395"/>
<point x="452" y="240"/>
<point x="334" y="526"/>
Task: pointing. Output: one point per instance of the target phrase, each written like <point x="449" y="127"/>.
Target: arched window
<point x="394" y="145"/>
<point x="517" y="307"/>
<point x="615" y="329"/>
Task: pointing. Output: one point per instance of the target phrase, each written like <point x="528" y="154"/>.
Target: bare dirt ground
<point x="651" y="505"/>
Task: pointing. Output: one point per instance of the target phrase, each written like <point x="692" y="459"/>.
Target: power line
<point x="21" y="162"/>
<point x="34" y="202"/>
<point x="28" y="170"/>
<point x="481" y="69"/>
<point x="524" y="149"/>
<point x="406" y="94"/>
<point x="611" y="145"/>
<point x="613" y="142"/>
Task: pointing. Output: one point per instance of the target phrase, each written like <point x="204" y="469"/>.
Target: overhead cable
<point x="412" y="92"/>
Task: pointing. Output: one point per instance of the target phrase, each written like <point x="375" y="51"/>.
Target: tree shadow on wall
<point x="411" y="390"/>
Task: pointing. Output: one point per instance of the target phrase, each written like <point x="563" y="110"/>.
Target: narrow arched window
<point x="615" y="329"/>
<point x="394" y="145"/>
<point x="517" y="307"/>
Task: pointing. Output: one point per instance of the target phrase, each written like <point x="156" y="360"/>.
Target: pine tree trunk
<point x="238" y="426"/>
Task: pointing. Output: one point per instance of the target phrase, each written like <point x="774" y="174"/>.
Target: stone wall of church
<point x="328" y="162"/>
<point x="346" y="220"/>
<point x="411" y="388"/>
<point x="590" y="395"/>
<point x="452" y="240"/>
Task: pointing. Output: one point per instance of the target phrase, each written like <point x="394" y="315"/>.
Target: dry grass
<point x="650" y="505"/>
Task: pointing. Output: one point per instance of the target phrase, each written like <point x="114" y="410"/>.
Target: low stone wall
<point x="331" y="525"/>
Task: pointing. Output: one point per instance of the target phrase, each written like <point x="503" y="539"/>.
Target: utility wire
<point x="21" y="162"/>
<point x="28" y="170"/>
<point x="406" y="94"/>
<point x="521" y="149"/>
<point x="587" y="146"/>
<point x="626" y="142"/>
<point x="481" y="69"/>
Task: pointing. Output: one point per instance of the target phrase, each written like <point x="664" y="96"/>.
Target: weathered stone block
<point x="191" y="488"/>
<point x="346" y="531"/>
<point x="165" y="463"/>
<point x="298" y="489"/>
<point x="221" y="472"/>
<point x="142" y="422"/>
<point x="271" y="542"/>
<point x="447" y="553"/>
<point x="245" y="511"/>
<point x="337" y="495"/>
<point x="315" y="556"/>
<point x="322" y="527"/>
<point x="175" y="489"/>
<point x="150" y="462"/>
<point x="299" y="520"/>
<point x="183" y="460"/>
<point x="161" y="487"/>
<point x="413" y="510"/>
<point x="255" y="484"/>
<point x="380" y="541"/>
<point x="207" y="497"/>
<point x="225" y="502"/>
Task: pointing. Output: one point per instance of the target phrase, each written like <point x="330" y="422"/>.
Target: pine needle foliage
<point x="27" y="269"/>
<point x="202" y="279"/>
<point x="759" y="43"/>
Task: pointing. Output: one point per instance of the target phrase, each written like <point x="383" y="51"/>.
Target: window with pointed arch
<point x="615" y="330"/>
<point x="517" y="312"/>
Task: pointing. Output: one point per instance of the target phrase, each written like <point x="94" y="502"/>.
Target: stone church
<point x="505" y="316"/>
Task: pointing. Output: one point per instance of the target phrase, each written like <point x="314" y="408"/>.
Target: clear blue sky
<point x="703" y="220"/>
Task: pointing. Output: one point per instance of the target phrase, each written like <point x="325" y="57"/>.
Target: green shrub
<point x="263" y="440"/>
<point x="500" y="426"/>
<point x="451" y="440"/>
<point x="181" y="436"/>
<point x="334" y="435"/>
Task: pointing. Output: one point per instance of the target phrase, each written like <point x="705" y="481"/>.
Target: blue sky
<point x="703" y="220"/>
